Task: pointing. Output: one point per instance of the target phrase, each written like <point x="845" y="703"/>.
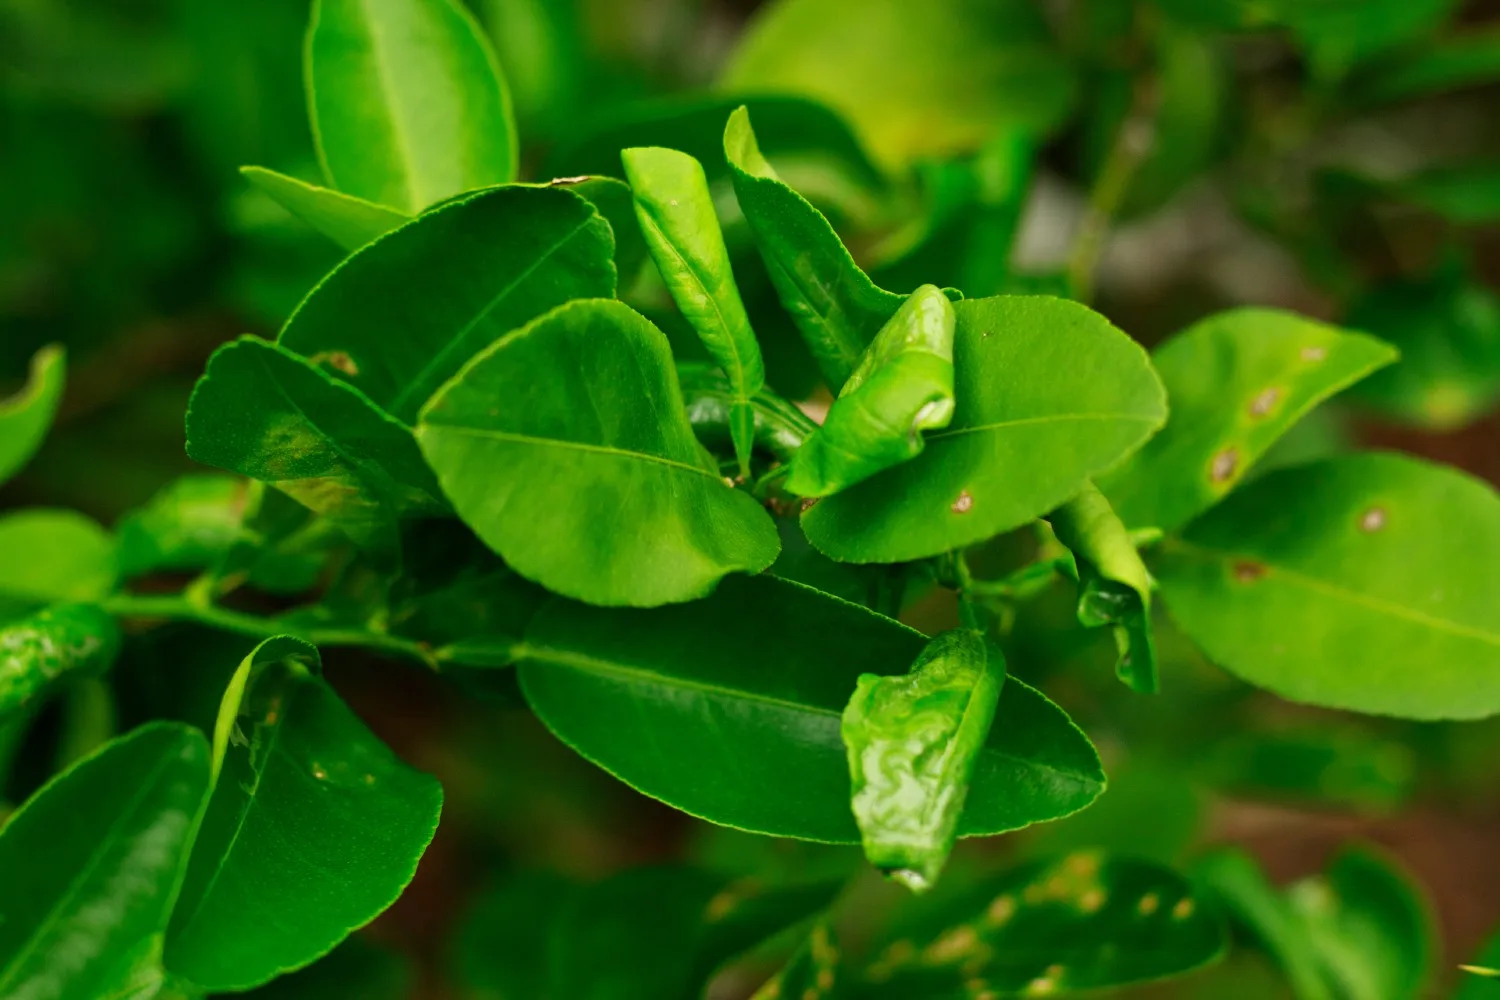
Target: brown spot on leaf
<point x="808" y="503"/>
<point x="1248" y="571"/>
<point x="1372" y="520"/>
<point x="1265" y="402"/>
<point x="1314" y="353"/>
<point x="1224" y="465"/>
<point x="963" y="504"/>
<point x="336" y="359"/>
<point x="556" y="181"/>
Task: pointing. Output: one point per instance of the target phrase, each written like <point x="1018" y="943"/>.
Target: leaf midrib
<point x="382" y="77"/>
<point x="600" y="449"/>
<point x="1055" y="418"/>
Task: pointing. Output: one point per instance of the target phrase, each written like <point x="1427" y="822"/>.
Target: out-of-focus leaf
<point x="780" y="428"/>
<point x="90" y="865"/>
<point x="730" y="697"/>
<point x="541" y="45"/>
<point x="51" y="555"/>
<point x="400" y="317"/>
<point x="913" y="742"/>
<point x="60" y="641"/>
<point x="408" y="102"/>
<point x="612" y="502"/>
<point x="902" y="387"/>
<point x="676" y="214"/>
<point x="349" y="221"/>
<point x="1114" y="587"/>
<point x="1048" y="395"/>
<point x="1236" y="382"/>
<point x="921" y="81"/>
<point x="355" y="970"/>
<point x="812" y="974"/>
<point x="1320" y="765"/>
<point x="189" y="524"/>
<point x="26" y="416"/>
<point x="1464" y="59"/>
<point x="266" y="413"/>
<point x="1344" y="583"/>
<point x="1483" y="979"/>
<point x="1468" y="195"/>
<point x="502" y="948"/>
<point x="281" y="546"/>
<point x="1084" y="922"/>
<point x="1150" y="810"/>
<point x="1339" y="34"/>
<point x="304" y="795"/>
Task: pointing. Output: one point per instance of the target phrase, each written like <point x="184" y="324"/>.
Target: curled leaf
<point x="1114" y="587"/>
<point x="61" y="640"/>
<point x="913" y="742"/>
<point x="903" y="386"/>
<point x="26" y="416"/>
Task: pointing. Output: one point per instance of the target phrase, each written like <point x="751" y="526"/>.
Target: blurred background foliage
<point x="1337" y="157"/>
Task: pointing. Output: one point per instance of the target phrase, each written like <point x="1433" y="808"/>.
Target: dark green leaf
<point x="1483" y="979"/>
<point x="1467" y="195"/>
<point x="1048" y="394"/>
<point x="408" y="102"/>
<point x="61" y="641"/>
<point x="1237" y="382"/>
<point x="1464" y="59"/>
<point x="349" y="221"/>
<point x="189" y="524"/>
<point x="355" y="970"/>
<point x="266" y="413"/>
<point x="902" y="387"/>
<point x="612" y="199"/>
<point x="1114" y="587"/>
<point x="1085" y="922"/>
<point x="1339" y="34"/>
<point x="501" y="948"/>
<point x="401" y="316"/>
<point x="913" y="742"/>
<point x="729" y="709"/>
<point x="26" y="417"/>
<point x="281" y="546"/>
<point x="1343" y="583"/>
<point x="812" y="974"/>
<point x="304" y="795"/>
<point x="780" y="428"/>
<point x="51" y="555"/>
<point x="90" y="865"/>
<point x="1322" y="765"/>
<point x="676" y="214"/>
<point x="589" y="480"/>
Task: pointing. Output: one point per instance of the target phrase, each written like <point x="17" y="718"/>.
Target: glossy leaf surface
<point x="188" y="524"/>
<point x="49" y="555"/>
<point x="349" y="221"/>
<point x="902" y="387"/>
<point x="400" y="317"/>
<point x="1343" y="583"/>
<point x="1084" y="922"/>
<point x="1114" y="587"/>
<point x="565" y="447"/>
<point x="26" y="417"/>
<point x="1048" y="395"/>
<point x="714" y="706"/>
<point x="90" y="865"/>
<point x="266" y="413"/>
<point x="304" y="796"/>
<point x="60" y="641"/>
<point x="913" y="742"/>
<point x="676" y="214"/>
<point x="408" y="102"/>
<point x="1237" y="382"/>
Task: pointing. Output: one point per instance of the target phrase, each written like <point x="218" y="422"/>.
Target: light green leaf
<point x="407" y="100"/>
<point x="812" y="974"/>
<point x="1114" y="587"/>
<point x="913" y="742"/>
<point x="728" y="709"/>
<point x="1237" y="382"/>
<point x="189" y="524"/>
<point x="349" y="221"/>
<point x="835" y="305"/>
<point x="780" y="428"/>
<point x="304" y="796"/>
<point x="1049" y="394"/>
<point x="676" y="214"/>
<point x="26" y="417"/>
<point x="90" y="865"/>
<point x="401" y="316"/>
<point x="612" y="199"/>
<point x="902" y="387"/>
<point x="1344" y="583"/>
<point x="1084" y="922"/>
<point x="566" y="449"/>
<point x="266" y="413"/>
<point x="920" y="81"/>
<point x="63" y="640"/>
<point x="49" y="555"/>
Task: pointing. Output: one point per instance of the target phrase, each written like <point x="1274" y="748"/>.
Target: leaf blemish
<point x="963" y="504"/>
<point x="336" y="359"/>
<point x="1183" y="909"/>
<point x="1263" y="403"/>
<point x="1224" y="465"/>
<point x="1248" y="571"/>
<point x="1314" y="353"/>
<point x="554" y="182"/>
<point x="1372" y="520"/>
<point x="1148" y="904"/>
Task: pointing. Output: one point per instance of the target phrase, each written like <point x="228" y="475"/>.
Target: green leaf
<point x="902" y="387"/>
<point x="1463" y="59"/>
<point x="913" y="742"/>
<point x="49" y="555"/>
<point x="1114" y="587"/>
<point x="189" y="524"/>
<point x="1468" y="195"/>
<point x="612" y="199"/>
<point x="1339" y="34"/>
<point x="589" y="480"/>
<point x="26" y="417"/>
<point x="780" y="428"/>
<point x="676" y="214"/>
<point x="61" y="641"/>
<point x="407" y="100"/>
<point x="281" y="546"/>
<point x="501" y="947"/>
<point x="90" y="865"/>
<point x="401" y="316"/>
<point x="1049" y="394"/>
<point x="1481" y="981"/>
<point x="355" y="970"/>
<point x="304" y="795"/>
<point x="835" y="305"/>
<point x="1237" y="382"/>
<point x="1084" y="922"/>
<point x="1342" y="583"/>
<point x="1322" y="765"/>
<point x="812" y="974"/>
<point x="917" y="81"/>
<point x="729" y="708"/>
<point x="349" y="221"/>
<point x="266" y="413"/>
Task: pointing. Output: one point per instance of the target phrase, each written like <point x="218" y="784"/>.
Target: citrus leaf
<point x="189" y="524"/>
<point x="349" y="221"/>
<point x="26" y="417"/>
<point x="60" y="641"/>
<point x="780" y="428"/>
<point x="812" y="974"/>
<point x="49" y="555"/>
